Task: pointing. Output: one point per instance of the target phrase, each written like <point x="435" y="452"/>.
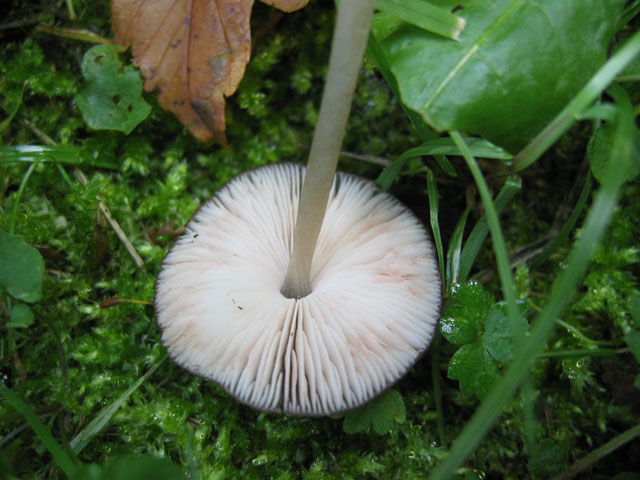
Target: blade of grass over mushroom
<point x="479" y="233"/>
<point x="562" y="290"/>
<point x="96" y="425"/>
<point x="348" y="44"/>
<point x="453" y="253"/>
<point x="432" y="192"/>
<point x="424" y="15"/>
<point x="585" y="97"/>
<point x="64" y="461"/>
<point x="568" y="226"/>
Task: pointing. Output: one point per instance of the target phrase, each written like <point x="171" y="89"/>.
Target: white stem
<point x="347" y="49"/>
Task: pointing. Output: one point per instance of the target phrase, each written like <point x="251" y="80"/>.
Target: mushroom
<point x="303" y="291"/>
<point x="372" y="310"/>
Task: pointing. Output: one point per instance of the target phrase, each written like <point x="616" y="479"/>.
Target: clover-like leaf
<point x="462" y="322"/>
<point x="112" y="98"/>
<point x="484" y="333"/>
<point x="475" y="370"/>
<point x="21" y="268"/>
<point x="498" y="335"/>
<point x="381" y="413"/>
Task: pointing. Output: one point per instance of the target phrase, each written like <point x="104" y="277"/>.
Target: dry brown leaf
<point x="286" y="5"/>
<point x="193" y="53"/>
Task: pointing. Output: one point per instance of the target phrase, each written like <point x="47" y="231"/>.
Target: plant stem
<point x="348" y="45"/>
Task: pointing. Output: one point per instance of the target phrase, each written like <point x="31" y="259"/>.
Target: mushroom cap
<point x="372" y="311"/>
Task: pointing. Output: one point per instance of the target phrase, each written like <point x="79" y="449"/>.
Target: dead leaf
<point x="286" y="5"/>
<point x="193" y="53"/>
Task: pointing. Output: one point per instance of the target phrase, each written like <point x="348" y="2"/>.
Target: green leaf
<point x="463" y="320"/>
<point x="21" y="316"/>
<point x="475" y="370"/>
<point x="498" y="337"/>
<point x="381" y="413"/>
<point x="112" y="100"/>
<point x="488" y="83"/>
<point x="132" y="468"/>
<point x="636" y="382"/>
<point x="633" y="340"/>
<point x="21" y="268"/>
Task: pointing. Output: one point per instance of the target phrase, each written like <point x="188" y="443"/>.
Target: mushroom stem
<point x="347" y="49"/>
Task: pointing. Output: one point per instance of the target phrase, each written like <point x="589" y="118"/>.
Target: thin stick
<point x="348" y="45"/>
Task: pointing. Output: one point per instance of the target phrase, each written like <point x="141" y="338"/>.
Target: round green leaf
<point x="21" y="268"/>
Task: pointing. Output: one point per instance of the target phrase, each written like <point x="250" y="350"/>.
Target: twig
<point x="101" y="205"/>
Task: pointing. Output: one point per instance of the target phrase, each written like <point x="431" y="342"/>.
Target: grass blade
<point x="480" y="231"/>
<point x="96" y="425"/>
<point x="424" y="15"/>
<point x="478" y="147"/>
<point x="453" y="253"/>
<point x="432" y="192"/>
<point x="61" y="457"/>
